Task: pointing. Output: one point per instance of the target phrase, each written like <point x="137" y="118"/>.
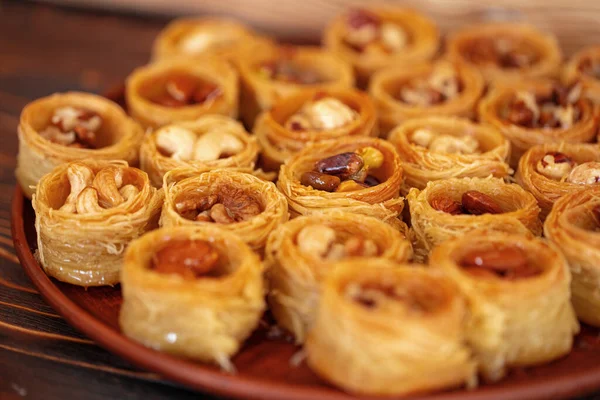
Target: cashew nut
<point x="107" y="182"/>
<point x="215" y="143"/>
<point x="393" y="37"/>
<point x="316" y="240"/>
<point x="129" y="192"/>
<point x="454" y="145"/>
<point x="87" y="202"/>
<point x="177" y="142"/>
<point x="80" y="177"/>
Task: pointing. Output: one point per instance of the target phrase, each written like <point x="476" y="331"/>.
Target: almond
<point x="447" y="205"/>
<point x="187" y="258"/>
<point x="477" y="203"/>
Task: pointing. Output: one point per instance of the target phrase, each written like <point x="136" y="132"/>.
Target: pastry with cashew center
<point x="211" y="141"/>
<point x="584" y="67"/>
<point x="422" y="90"/>
<point x="390" y="329"/>
<point x="529" y="113"/>
<point x="436" y="148"/>
<point x="238" y="202"/>
<point x="518" y="295"/>
<point x="300" y="253"/>
<point x="101" y="207"/>
<point x="195" y="292"/>
<point x="374" y="38"/>
<point x="72" y="126"/>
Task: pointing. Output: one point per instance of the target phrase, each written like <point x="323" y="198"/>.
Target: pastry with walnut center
<point x="374" y="38"/>
<point x="178" y="90"/>
<point x="238" y="202"/>
<point x="554" y="170"/>
<point x="300" y="253"/>
<point x="390" y="329"/>
<point x="506" y="51"/>
<point x="518" y="294"/>
<point x="195" y="292"/>
<point x="584" y="67"/>
<point x="269" y="76"/>
<point x="529" y="113"/>
<point x="422" y="90"/>
<point x="310" y="117"/>
<point x="72" y="126"/>
<point x="99" y="206"/>
<point x="211" y="141"/>
<point x="436" y="148"/>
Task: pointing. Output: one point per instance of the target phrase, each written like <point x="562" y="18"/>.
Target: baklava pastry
<point x="87" y="213"/>
<point x="421" y="90"/>
<point x="584" y="67"/>
<point x="529" y="113"/>
<point x="554" y="170"/>
<point x="268" y="76"/>
<point x="573" y="226"/>
<point x="211" y="141"/>
<point x="374" y="38"/>
<point x="300" y="254"/>
<point x="310" y="117"/>
<point x="181" y="90"/>
<point x="518" y="294"/>
<point x="199" y="37"/>
<point x="454" y="207"/>
<point x="238" y="202"/>
<point x="72" y="126"/>
<point x="506" y="51"/>
<point x="390" y="329"/>
<point x="360" y="175"/>
<point x="194" y="292"/>
<point x="436" y="148"/>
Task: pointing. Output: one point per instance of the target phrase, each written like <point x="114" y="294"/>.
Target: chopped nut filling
<point x="189" y="259"/>
<point x="445" y="143"/>
<point x="554" y="109"/>
<point x="323" y="242"/>
<point x="503" y="52"/>
<point x="229" y="205"/>
<point x="182" y="89"/>
<point x="322" y="113"/>
<point x="503" y="262"/>
<point x="183" y="144"/>
<point x="73" y="127"/>
<point x="367" y="33"/>
<point x="472" y="202"/>
<point x="441" y="85"/>
<point x="345" y="172"/>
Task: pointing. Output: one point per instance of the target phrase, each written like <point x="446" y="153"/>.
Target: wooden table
<point x="45" y="50"/>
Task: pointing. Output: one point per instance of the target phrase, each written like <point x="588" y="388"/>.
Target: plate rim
<point x="205" y="378"/>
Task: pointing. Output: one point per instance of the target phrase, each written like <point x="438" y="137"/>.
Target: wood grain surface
<point x="44" y="49"/>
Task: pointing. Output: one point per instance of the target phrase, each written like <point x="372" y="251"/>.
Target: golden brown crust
<point x="390" y="329"/>
<point x="100" y="237"/>
<point x="386" y="84"/>
<point x="382" y="201"/>
<point x="545" y="189"/>
<point x="522" y="138"/>
<point x="206" y="319"/>
<point x="421" y="165"/>
<point x="572" y="71"/>
<point x="545" y="47"/>
<point x="512" y="322"/>
<point x="211" y="69"/>
<point x="278" y="143"/>
<point x="183" y="184"/>
<point x="259" y="93"/>
<point x="422" y="31"/>
<point x="572" y="226"/>
<point x="296" y="270"/>
<point x="119" y="136"/>
<point x="156" y="163"/>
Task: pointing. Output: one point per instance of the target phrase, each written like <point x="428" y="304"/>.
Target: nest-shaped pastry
<point x="238" y="202"/>
<point x="47" y="136"/>
<point x="312" y="116"/>
<point x="211" y="141"/>
<point x="518" y="111"/>
<point x="87" y="213"/>
<point x="377" y="37"/>
<point x="457" y="206"/>
<point x="195" y="292"/>
<point x="390" y="329"/>
<point x="553" y="170"/>
<point x="505" y="51"/>
<point x="439" y="88"/>
<point x="436" y="148"/>
<point x="584" y="66"/>
<point x="182" y="89"/>
<point x="270" y="75"/>
<point x="199" y="37"/>
<point x="300" y="253"/>
<point x="518" y="294"/>
<point x="573" y="226"/>
<point x="382" y="200"/>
